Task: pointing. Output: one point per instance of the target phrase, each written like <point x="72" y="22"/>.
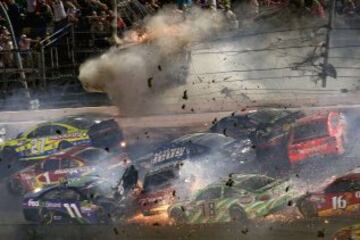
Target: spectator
<point x="15" y="17"/>
<point x="30" y="12"/>
<point x="42" y="19"/>
<point x="7" y="46"/>
<point x="72" y="14"/>
<point x="60" y="17"/>
<point x="25" y="47"/>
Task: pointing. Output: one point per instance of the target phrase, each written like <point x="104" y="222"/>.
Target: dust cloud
<point x="157" y="59"/>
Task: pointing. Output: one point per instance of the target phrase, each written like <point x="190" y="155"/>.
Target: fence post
<point x="72" y="34"/>
<point x="43" y="70"/>
<point x="17" y="53"/>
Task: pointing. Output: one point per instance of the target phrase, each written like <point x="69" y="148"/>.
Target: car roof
<point x="318" y="116"/>
<point x="205" y="139"/>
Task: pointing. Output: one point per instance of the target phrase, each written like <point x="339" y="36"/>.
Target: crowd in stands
<point x="33" y="20"/>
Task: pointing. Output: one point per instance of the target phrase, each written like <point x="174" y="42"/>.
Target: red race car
<point x="320" y="134"/>
<point x="341" y="196"/>
<point x="72" y="163"/>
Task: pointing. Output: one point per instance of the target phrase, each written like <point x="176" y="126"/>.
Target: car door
<point x="37" y="139"/>
<point x="72" y="168"/>
<point x="342" y="197"/>
<point x="49" y="174"/>
<point x="71" y="204"/>
<point x="205" y="206"/>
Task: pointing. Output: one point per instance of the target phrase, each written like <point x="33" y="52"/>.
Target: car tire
<point x="306" y="208"/>
<point x="64" y="145"/>
<point x="178" y="216"/>
<point x="46" y="216"/>
<point x="238" y="215"/>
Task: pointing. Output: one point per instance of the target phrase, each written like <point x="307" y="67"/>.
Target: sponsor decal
<point x="32" y="203"/>
<point x="168" y="154"/>
<point x="67" y="136"/>
<point x="52" y="205"/>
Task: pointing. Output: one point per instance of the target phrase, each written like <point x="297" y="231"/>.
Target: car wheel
<point x="64" y="145"/>
<point x="238" y="214"/>
<point x="178" y="216"/>
<point x="307" y="209"/>
<point x="15" y="187"/>
<point x="46" y="216"/>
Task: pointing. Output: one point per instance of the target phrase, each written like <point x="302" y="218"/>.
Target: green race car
<point x="51" y="137"/>
<point x="240" y="198"/>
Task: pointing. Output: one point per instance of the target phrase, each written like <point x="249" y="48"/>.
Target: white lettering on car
<point x="32" y="203"/>
<point x="338" y="202"/>
<point x="168" y="154"/>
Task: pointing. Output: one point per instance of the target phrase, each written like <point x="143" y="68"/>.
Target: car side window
<point x="341" y="186"/>
<point x="69" y="163"/>
<point x="52" y="195"/>
<point x="92" y="154"/>
<point x="70" y="194"/>
<point x="209" y="194"/>
<point x="51" y="165"/>
<point x="335" y="119"/>
<point x="41" y="131"/>
<point x="58" y="130"/>
<point x="230" y="192"/>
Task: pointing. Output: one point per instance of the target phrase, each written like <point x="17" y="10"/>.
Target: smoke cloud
<point x="156" y="60"/>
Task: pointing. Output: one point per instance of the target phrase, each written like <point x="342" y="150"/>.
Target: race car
<point x="71" y="163"/>
<point x="88" y="200"/>
<point x="257" y="123"/>
<point x="348" y="233"/>
<point x="240" y="198"/>
<point x="339" y="197"/>
<point x="267" y="128"/>
<point x="179" y="165"/>
<point x="318" y="135"/>
<point x="159" y="186"/>
<point x="198" y="147"/>
<point x="48" y="138"/>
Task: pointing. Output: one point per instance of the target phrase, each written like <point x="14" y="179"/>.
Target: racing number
<point x="339" y="202"/>
<point x="37" y="145"/>
<point x="72" y="210"/>
<point x="208" y="209"/>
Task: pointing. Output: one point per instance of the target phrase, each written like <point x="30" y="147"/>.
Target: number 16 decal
<point x="338" y="202"/>
<point x="72" y="210"/>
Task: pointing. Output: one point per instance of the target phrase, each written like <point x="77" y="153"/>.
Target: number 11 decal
<point x="72" y="210"/>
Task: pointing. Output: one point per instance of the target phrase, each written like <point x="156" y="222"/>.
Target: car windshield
<point x="255" y="183"/>
<point x="156" y="180"/>
<point x="310" y="130"/>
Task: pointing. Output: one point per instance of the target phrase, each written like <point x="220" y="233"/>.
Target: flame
<point x="161" y="218"/>
<point x="144" y="35"/>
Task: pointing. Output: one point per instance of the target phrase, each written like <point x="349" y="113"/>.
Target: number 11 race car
<point x="87" y="200"/>
<point x="51" y="137"/>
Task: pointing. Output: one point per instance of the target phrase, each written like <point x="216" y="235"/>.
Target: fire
<point x="161" y="218"/>
<point x="144" y="35"/>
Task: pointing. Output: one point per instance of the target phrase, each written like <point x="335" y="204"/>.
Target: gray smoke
<point x="135" y="76"/>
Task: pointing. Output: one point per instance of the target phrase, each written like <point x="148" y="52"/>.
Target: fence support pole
<point x="43" y="70"/>
<point x="328" y="36"/>
<point x="114" y="22"/>
<point x="72" y="34"/>
<point x="17" y="53"/>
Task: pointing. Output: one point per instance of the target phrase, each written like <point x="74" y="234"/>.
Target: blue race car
<point x="88" y="200"/>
